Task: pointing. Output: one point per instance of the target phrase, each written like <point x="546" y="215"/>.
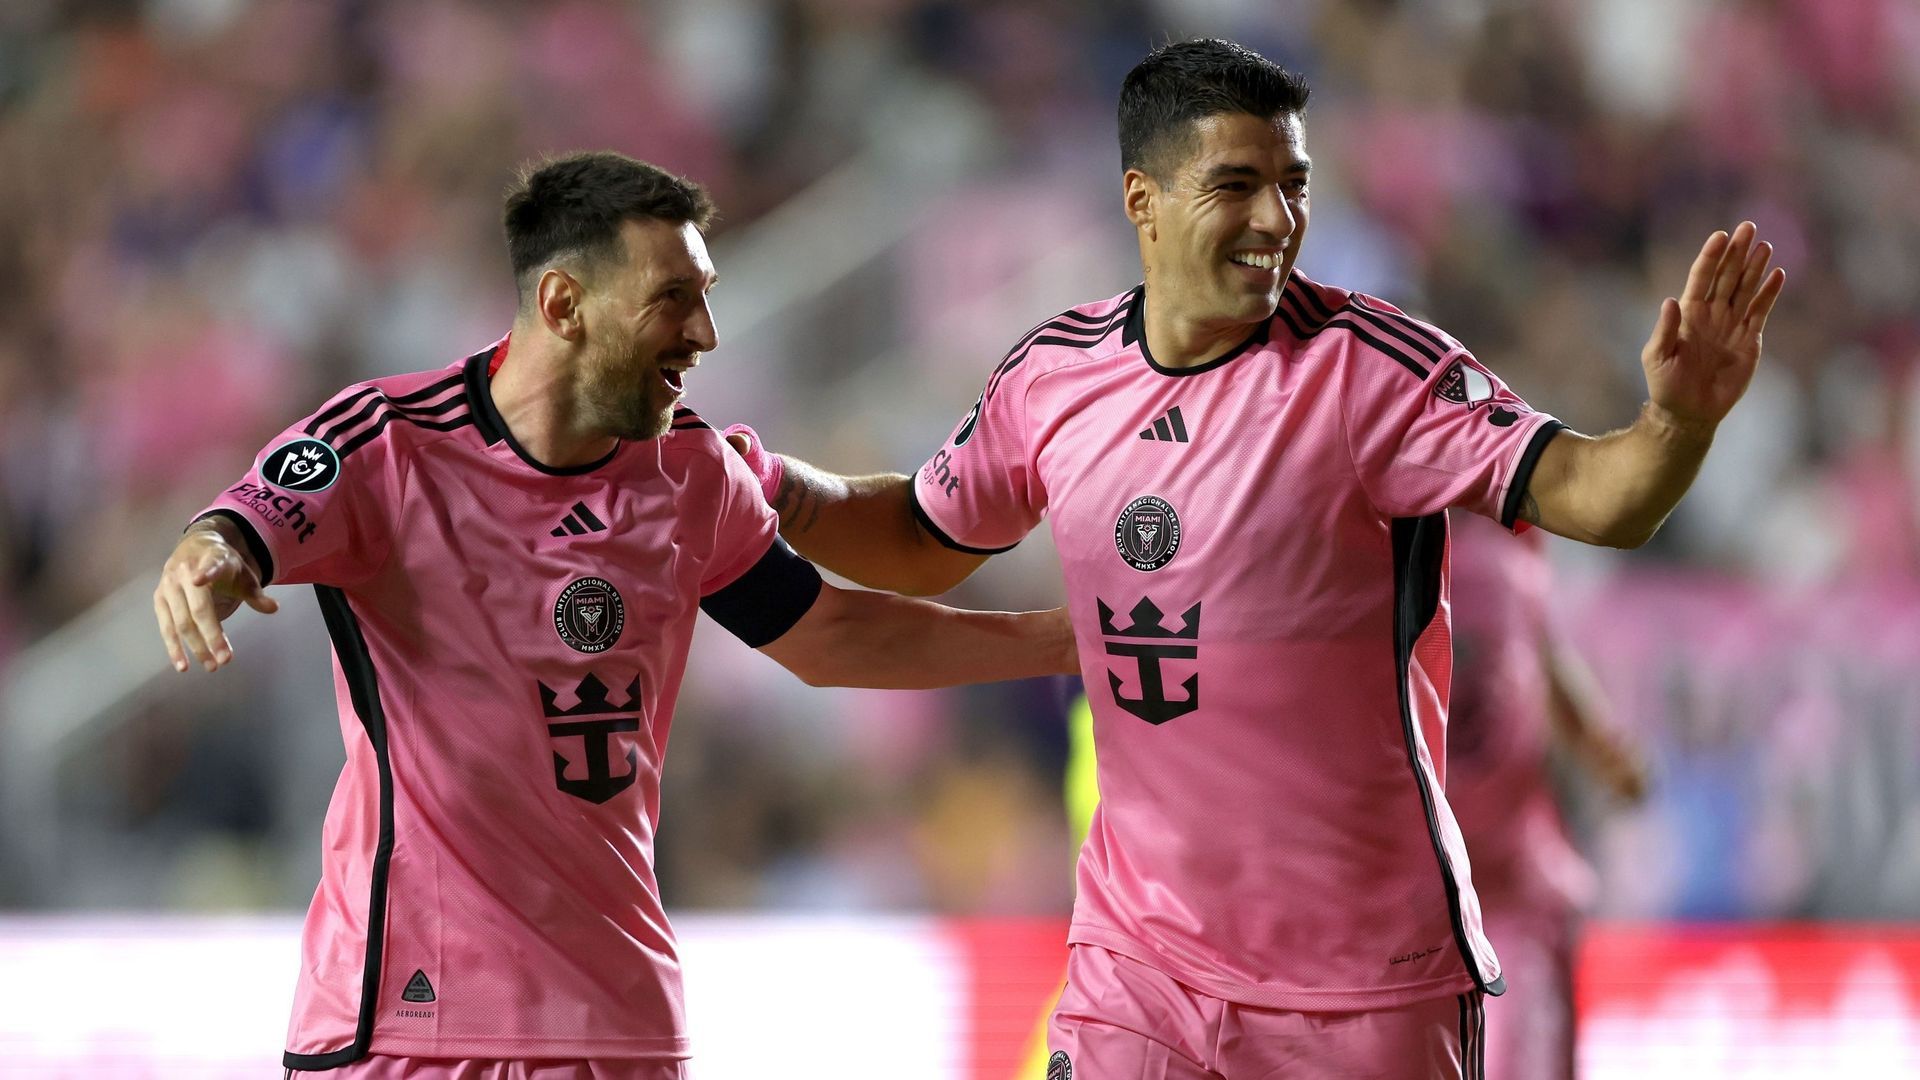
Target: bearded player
<point x="1247" y="474"/>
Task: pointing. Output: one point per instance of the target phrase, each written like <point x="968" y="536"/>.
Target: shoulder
<point x="691" y="434"/>
<point x="1374" y="332"/>
<point x="1079" y="334"/>
<point x="367" y="414"/>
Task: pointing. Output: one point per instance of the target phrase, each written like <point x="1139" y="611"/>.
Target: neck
<point x="536" y="393"/>
<point x="1180" y="341"/>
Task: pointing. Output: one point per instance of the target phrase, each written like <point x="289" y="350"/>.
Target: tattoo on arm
<point x="797" y="504"/>
<point x="1529" y="509"/>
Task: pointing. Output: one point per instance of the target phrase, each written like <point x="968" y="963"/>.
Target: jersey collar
<point x="1135" y="333"/>
<point x="479" y="369"/>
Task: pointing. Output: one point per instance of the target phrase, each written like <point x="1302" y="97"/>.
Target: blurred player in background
<point x="509" y="552"/>
<point x="1518" y="693"/>
<point x="1247" y="474"/>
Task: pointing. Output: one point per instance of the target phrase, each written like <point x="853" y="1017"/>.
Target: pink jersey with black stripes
<point x="509" y="640"/>
<point x="1255" y="558"/>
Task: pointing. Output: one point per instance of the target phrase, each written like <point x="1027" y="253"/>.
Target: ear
<point x="1140" y="195"/>
<point x="557" y="298"/>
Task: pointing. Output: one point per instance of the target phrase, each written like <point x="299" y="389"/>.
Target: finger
<point x="172" y="640"/>
<point x="185" y="630"/>
<point x="1666" y="329"/>
<point x="258" y="600"/>
<point x="1762" y="303"/>
<point x="208" y="568"/>
<point x="207" y="622"/>
<point x="1732" y="262"/>
<point x="740" y="444"/>
<point x="1700" y="277"/>
<point x="1754" y="273"/>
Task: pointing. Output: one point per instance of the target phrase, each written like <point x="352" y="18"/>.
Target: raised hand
<point x="205" y="580"/>
<point x="1706" y="345"/>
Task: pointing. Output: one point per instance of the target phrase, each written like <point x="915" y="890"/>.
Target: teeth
<point x="1264" y="262"/>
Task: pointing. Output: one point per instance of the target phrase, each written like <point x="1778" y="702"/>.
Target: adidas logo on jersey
<point x="579" y="522"/>
<point x="1168" y="428"/>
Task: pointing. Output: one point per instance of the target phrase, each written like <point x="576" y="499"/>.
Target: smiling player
<point x="1247" y="474"/>
<point x="509" y="553"/>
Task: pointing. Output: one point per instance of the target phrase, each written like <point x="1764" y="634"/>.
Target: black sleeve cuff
<point x="256" y="546"/>
<point x="935" y="531"/>
<point x="767" y="600"/>
<point x="1523" y="472"/>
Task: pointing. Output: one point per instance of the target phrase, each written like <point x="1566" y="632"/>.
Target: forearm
<point x="888" y="642"/>
<point x="1616" y="489"/>
<point x="222" y="528"/>
<point x="863" y="528"/>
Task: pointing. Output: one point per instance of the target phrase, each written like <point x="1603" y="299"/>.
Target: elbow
<point x="1625" y="535"/>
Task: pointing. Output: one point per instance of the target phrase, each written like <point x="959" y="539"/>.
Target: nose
<point x="700" y="330"/>
<point x="1272" y="214"/>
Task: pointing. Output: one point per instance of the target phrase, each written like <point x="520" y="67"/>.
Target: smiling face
<point x="647" y="322"/>
<point x="1220" y="234"/>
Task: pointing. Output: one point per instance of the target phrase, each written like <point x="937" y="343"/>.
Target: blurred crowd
<point x="215" y="212"/>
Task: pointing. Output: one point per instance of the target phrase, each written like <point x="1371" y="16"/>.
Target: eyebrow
<point x="1226" y="172"/>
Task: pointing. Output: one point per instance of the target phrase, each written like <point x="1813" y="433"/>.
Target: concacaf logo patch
<point x="1148" y="533"/>
<point x="307" y="465"/>
<point x="1464" y="384"/>
<point x="590" y="615"/>
<point x="1059" y="1066"/>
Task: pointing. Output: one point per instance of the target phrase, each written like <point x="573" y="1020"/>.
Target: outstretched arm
<point x="1573" y="709"/>
<point x="207" y="578"/>
<point x="854" y="638"/>
<point x="1618" y="488"/>
<point x="860" y="527"/>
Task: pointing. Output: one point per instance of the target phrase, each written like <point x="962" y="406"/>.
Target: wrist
<point x="1673" y="428"/>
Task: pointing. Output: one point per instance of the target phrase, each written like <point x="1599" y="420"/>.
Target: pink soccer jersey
<point x="508" y="640"/>
<point x="1255" y="552"/>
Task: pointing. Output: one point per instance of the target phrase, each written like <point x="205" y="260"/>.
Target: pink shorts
<point x="380" y="1067"/>
<point x="1119" y="1019"/>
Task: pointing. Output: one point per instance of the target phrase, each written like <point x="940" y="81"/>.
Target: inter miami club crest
<point x="590" y="615"/>
<point x="1059" y="1066"/>
<point x="301" y="465"/>
<point x="1148" y="533"/>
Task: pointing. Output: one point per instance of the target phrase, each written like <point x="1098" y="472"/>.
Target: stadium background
<point x="214" y="212"/>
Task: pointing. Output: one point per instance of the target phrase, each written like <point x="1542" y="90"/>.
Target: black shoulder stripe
<point x="338" y="407"/>
<point x="1053" y="334"/>
<point x="380" y="425"/>
<point x="366" y="412"/>
<point x="694" y="424"/>
<point x="1427" y="333"/>
<point x="1307" y="319"/>
<point x="1346" y="321"/>
<point x="1296" y="285"/>
<point x="431" y="390"/>
<point x="1385" y="326"/>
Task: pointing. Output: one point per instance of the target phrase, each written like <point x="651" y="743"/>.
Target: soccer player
<point x="508" y="553"/>
<point x="1248" y="474"/>
<point x="1517" y="693"/>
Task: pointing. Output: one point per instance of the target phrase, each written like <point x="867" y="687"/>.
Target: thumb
<point x="259" y="601"/>
<point x="1666" y="330"/>
<point x="740" y="443"/>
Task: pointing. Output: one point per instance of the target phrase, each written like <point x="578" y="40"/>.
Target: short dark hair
<point x="1185" y="81"/>
<point x="574" y="205"/>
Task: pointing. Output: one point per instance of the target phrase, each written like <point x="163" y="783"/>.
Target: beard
<point x="624" y="397"/>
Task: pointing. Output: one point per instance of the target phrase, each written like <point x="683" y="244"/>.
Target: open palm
<point x="1706" y="345"/>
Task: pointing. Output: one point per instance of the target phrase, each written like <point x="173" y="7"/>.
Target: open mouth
<point x="672" y="377"/>
<point x="1258" y="261"/>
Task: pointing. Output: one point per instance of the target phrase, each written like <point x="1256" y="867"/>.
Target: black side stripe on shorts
<point x="1473" y="1036"/>
<point x="363" y="685"/>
